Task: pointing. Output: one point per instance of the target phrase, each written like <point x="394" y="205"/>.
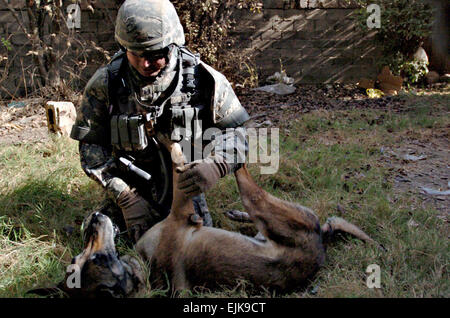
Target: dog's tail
<point x="336" y="225"/>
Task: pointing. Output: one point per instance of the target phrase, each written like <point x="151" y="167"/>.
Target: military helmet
<point x="148" y="25"/>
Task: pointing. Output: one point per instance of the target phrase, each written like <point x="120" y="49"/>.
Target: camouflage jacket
<point x="212" y="96"/>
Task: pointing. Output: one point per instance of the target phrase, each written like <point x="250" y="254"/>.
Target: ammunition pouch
<point x="128" y="132"/>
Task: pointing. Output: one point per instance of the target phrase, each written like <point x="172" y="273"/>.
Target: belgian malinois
<point x="182" y="250"/>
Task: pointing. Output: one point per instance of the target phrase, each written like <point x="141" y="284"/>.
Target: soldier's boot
<point x="201" y="208"/>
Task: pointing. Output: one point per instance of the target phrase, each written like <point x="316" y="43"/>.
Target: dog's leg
<point x="280" y="221"/>
<point x="182" y="206"/>
<point x="288" y="223"/>
<point x="238" y="216"/>
<point x="164" y="244"/>
<point x="335" y="225"/>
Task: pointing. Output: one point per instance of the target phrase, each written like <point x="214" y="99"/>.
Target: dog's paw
<point x="237" y="215"/>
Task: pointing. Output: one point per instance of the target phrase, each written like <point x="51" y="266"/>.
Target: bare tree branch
<point x="39" y="50"/>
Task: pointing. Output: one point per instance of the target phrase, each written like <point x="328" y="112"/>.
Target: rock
<point x="314" y="290"/>
<point x="432" y="77"/>
<point x="279" y="89"/>
<point x="434" y="192"/>
<point x="401" y="179"/>
<point x="266" y="123"/>
<point x="414" y="158"/>
<point x="60" y="117"/>
<point x="280" y="78"/>
<point x="421" y="55"/>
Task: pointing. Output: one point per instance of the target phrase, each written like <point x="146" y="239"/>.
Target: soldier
<point x="155" y="84"/>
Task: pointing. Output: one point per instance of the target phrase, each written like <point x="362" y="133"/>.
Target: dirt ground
<point x="419" y="164"/>
<point x="26" y="124"/>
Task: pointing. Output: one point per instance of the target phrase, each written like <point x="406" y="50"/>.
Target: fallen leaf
<point x="374" y="93"/>
<point x="366" y="83"/>
<point x="389" y="83"/>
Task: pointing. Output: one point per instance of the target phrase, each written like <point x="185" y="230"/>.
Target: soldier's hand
<point x="137" y="212"/>
<point x="201" y="175"/>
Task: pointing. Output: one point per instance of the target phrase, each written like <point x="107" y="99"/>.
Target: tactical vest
<point x="180" y="102"/>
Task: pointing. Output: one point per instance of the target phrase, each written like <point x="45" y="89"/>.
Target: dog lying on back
<point x="181" y="249"/>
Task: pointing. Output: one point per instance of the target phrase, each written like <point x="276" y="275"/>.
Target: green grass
<point x="42" y="190"/>
<point x="330" y="162"/>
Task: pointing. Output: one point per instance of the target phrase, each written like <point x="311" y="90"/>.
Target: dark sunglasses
<point x="152" y="55"/>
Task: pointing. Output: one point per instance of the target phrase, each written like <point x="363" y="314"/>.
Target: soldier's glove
<point x="137" y="213"/>
<point x="201" y="175"/>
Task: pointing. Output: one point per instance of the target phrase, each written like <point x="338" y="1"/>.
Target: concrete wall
<point x="316" y="40"/>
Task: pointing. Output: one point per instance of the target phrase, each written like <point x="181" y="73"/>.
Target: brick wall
<point x="316" y="41"/>
<point x="96" y="26"/>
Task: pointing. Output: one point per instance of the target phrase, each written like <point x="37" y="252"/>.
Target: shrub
<point x="405" y="24"/>
<point x="207" y="24"/>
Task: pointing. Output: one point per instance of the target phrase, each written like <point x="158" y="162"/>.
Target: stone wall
<point x="315" y="41"/>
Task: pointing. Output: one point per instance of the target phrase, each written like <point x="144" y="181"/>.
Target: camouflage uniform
<point x="185" y="87"/>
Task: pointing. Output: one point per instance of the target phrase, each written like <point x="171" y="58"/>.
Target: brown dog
<point x="181" y="250"/>
<point x="193" y="255"/>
